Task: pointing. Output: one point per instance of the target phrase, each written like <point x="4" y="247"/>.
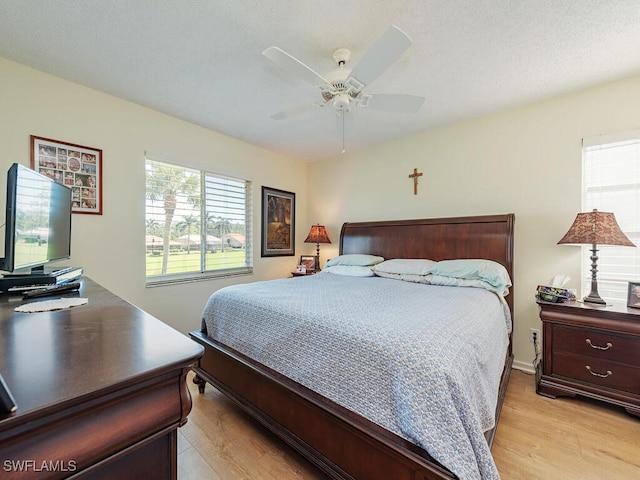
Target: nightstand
<point x="300" y="274"/>
<point x="592" y="351"/>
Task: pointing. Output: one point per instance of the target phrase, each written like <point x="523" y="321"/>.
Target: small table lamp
<point x="317" y="235"/>
<point x="593" y="228"/>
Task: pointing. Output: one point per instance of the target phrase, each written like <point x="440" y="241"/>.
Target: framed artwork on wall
<point x="278" y="222"/>
<point x="76" y="166"/>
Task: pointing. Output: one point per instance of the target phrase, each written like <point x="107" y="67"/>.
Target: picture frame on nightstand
<point x="309" y="261"/>
<point x="633" y="296"/>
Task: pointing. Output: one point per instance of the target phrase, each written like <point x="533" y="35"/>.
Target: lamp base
<point x="594" y="296"/>
<point x="591" y="298"/>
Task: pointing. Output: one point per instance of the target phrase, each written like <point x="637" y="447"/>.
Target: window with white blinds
<point x="198" y="224"/>
<point x="611" y="183"/>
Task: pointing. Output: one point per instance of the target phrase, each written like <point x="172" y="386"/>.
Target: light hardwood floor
<point x="537" y="438"/>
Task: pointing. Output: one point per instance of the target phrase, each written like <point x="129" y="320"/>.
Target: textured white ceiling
<point x="202" y="60"/>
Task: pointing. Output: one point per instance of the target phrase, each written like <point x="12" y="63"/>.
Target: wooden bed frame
<point x="342" y="444"/>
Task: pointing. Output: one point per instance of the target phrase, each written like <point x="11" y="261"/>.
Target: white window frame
<point x="215" y="196"/>
<point x="611" y="183"/>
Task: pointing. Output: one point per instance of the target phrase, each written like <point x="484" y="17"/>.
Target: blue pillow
<point x="474" y="269"/>
<point x="405" y="266"/>
<point x="354" y="260"/>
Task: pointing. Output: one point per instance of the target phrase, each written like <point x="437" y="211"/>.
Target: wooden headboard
<point x="488" y="236"/>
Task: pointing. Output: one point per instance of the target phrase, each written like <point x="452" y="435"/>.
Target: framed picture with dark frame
<point x="310" y="262"/>
<point x="76" y="166"/>
<point x="278" y="222"/>
<point x="633" y="297"/>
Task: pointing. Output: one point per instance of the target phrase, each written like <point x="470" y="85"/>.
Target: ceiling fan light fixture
<point x="363" y="100"/>
<point x="341" y="102"/>
<point x="353" y="86"/>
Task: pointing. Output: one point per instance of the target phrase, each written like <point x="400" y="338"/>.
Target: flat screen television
<point x="38" y="221"/>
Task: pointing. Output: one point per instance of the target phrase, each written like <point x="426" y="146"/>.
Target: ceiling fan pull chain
<point x="343" y="149"/>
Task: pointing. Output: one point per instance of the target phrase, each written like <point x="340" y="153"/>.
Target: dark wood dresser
<point x="592" y="351"/>
<point x="101" y="390"/>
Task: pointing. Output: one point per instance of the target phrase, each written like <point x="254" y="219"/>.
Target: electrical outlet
<point x="535" y="335"/>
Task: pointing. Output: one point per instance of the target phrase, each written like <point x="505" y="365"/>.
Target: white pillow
<point x="350" y="270"/>
<point x="355" y="260"/>
<point x="403" y="276"/>
<point x="405" y="266"/>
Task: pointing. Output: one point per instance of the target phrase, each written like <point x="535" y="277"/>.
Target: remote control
<point x="7" y="403"/>
<point x="41" y="292"/>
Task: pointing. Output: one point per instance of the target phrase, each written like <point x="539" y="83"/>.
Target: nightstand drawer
<point x="600" y="372"/>
<point x="597" y="344"/>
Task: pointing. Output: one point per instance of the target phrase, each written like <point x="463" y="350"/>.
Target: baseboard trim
<point x="523" y="367"/>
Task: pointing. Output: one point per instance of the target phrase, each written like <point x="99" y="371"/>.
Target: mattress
<point x="422" y="361"/>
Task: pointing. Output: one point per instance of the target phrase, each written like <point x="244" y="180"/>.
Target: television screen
<point x="38" y="220"/>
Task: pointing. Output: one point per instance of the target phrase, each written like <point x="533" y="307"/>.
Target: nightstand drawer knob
<point x="601" y="375"/>
<point x="598" y="347"/>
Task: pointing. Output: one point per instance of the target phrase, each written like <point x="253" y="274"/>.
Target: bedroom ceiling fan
<point x="343" y="87"/>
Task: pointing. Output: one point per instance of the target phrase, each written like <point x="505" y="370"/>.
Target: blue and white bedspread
<point x="422" y="361"/>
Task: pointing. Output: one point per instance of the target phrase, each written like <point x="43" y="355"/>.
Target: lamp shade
<point x="596" y="227"/>
<point x="317" y="234"/>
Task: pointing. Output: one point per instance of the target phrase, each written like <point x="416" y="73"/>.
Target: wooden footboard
<point x="342" y="444"/>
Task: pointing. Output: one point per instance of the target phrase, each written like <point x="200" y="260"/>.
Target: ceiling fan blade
<point x="295" y="66"/>
<point x="382" y="54"/>
<point x="392" y="102"/>
<point x="295" y="111"/>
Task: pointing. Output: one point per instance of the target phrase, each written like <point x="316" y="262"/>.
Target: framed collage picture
<point x="278" y="222"/>
<point x="76" y="166"/>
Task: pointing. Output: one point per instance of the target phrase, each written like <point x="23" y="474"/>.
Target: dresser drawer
<point x="596" y="371"/>
<point x="597" y="343"/>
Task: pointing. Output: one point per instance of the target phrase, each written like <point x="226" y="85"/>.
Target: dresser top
<point x="50" y="358"/>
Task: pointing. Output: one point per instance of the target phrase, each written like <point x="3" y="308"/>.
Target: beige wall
<point x="111" y="247"/>
<point x="525" y="161"/>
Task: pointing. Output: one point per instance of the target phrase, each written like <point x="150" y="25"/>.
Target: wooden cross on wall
<point x="415" y="176"/>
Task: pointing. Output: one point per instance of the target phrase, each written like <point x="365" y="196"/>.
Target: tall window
<point x="198" y="224"/>
<point x="611" y="183"/>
